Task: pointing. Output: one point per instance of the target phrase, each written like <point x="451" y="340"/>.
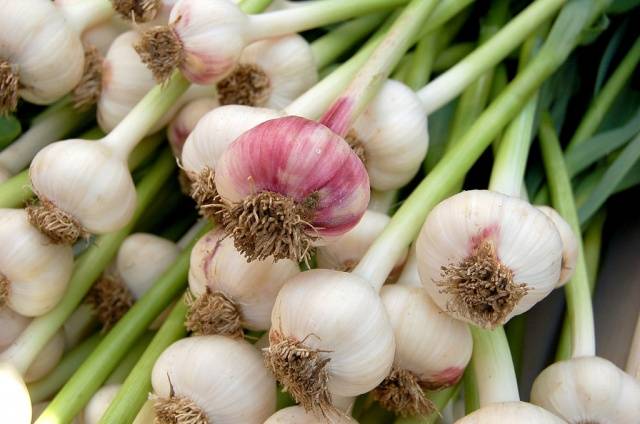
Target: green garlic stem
<point x="577" y="290"/>
<point x="422" y="62"/>
<point x="129" y="361"/>
<point x="451" y="55"/>
<point x="471" y="398"/>
<point x="254" y="6"/>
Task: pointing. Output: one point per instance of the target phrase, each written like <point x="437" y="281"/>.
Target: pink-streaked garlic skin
<point x="126" y="80"/>
<point x="525" y="241"/>
<point x="251" y="286"/>
<point x="288" y="62"/>
<point x="297" y="415"/>
<point x="511" y="412"/>
<point x="393" y="131"/>
<point x="345" y="252"/>
<point x="213" y="34"/>
<point x="358" y="337"/>
<point x="216" y="130"/>
<point x="186" y="120"/>
<point x="297" y="157"/>
<point x="588" y="389"/>
<point x="433" y="346"/>
<point x="570" y="244"/>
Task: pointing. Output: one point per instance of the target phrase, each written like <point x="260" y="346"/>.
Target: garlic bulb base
<point x="5" y="286"/>
<point x="60" y="226"/>
<point x="213" y="313"/>
<point x="178" y="409"/>
<point x="357" y="146"/>
<point x="403" y="393"/>
<point x="161" y="50"/>
<point x="487" y="305"/>
<point x="9" y="85"/>
<point x="258" y="236"/>
<point x="137" y="10"/>
<point x="248" y="84"/>
<point x="202" y="189"/>
<point x="87" y="92"/>
<point x="110" y="299"/>
<point x="302" y="372"/>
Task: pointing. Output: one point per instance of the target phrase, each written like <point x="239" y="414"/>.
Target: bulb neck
<point x="82" y="15"/>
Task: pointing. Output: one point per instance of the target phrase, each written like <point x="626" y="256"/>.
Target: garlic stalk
<point x="511" y="412"/>
<point x="229" y="293"/>
<point x="297" y="415"/>
<point x="14" y="397"/>
<point x="37" y="409"/>
<point x="212" y="379"/>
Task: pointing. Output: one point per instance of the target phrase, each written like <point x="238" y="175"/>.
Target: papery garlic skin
<point x="523" y="239"/>
<point x="393" y="132"/>
<point x="569" y="244"/>
<point x="99" y="403"/>
<point x="223" y="377"/>
<point x="42" y="48"/>
<point x="37" y="271"/>
<point x="11" y="325"/>
<point x="510" y="412"/>
<point x="297" y="415"/>
<point x="251" y="286"/>
<point x="15" y="403"/>
<point x="341" y="316"/>
<point x="588" y="389"/>
<point x="186" y="120"/>
<point x="47" y="359"/>
<point x="101" y="36"/>
<point x="88" y="181"/>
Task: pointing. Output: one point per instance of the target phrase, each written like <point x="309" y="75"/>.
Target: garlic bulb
<point x="344" y="253"/>
<point x="297" y="415"/>
<point x="35" y="272"/>
<point x="186" y="120"/>
<point x="330" y="335"/>
<point x="41" y="57"/>
<point x="15" y="403"/>
<point x="11" y="325"/>
<point x="47" y="359"/>
<point x="484" y="257"/>
<point x="510" y="412"/>
<point x="298" y="170"/>
<point x="99" y="403"/>
<point x="231" y="293"/>
<point x="588" y="389"/>
<point x="125" y="81"/>
<point x="212" y="379"/>
<point x="569" y="244"/>
<point x="391" y="136"/>
<point x="101" y="36"/>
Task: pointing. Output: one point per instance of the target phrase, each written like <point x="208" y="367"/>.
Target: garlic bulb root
<point x="403" y="392"/>
<point x="137" y="10"/>
<point x="173" y="54"/>
<point x="213" y="313"/>
<point x="9" y="83"/>
<point x="247" y="85"/>
<point x="61" y="227"/>
<point x="109" y="299"/>
<point x="87" y="92"/>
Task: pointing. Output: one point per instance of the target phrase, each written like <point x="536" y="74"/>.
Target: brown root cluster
<point x="403" y="393"/>
<point x="213" y="313"/>
<point x="482" y="287"/>
<point x="61" y="227"/>
<point x="203" y="192"/>
<point x="302" y="371"/>
<point x="356" y="145"/>
<point x="161" y="50"/>
<point x="87" y="92"/>
<point x="178" y="410"/>
<point x="110" y="300"/>
<point x="247" y="85"/>
<point x="5" y="286"/>
<point x="137" y="10"/>
<point x="271" y="224"/>
<point x="9" y="86"/>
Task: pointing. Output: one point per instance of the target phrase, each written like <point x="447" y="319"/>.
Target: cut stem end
<point x="403" y="393"/>
<point x="60" y="226"/>
<point x="161" y="50"/>
<point x="87" y="92"/>
<point x="247" y="85"/>
<point x="137" y="10"/>
<point x="110" y="299"/>
<point x="9" y="86"/>
<point x="213" y="313"/>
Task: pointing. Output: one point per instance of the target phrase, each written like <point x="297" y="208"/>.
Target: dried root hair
<point x="403" y="393"/>
<point x="203" y="191"/>
<point x="110" y="299"/>
<point x="5" y="287"/>
<point x="87" y="92"/>
<point x="177" y="409"/>
<point x="137" y="10"/>
<point x="9" y="86"/>
<point x="161" y="50"/>
<point x="247" y="85"/>
<point x="213" y="313"/>
<point x="356" y="145"/>
<point x="61" y="227"/>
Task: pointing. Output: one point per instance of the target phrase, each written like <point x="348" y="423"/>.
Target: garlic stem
<point x="54" y="123"/>
<point x="87" y="268"/>
<point x="254" y="6"/>
<point x="126" y="365"/>
<point x="422" y="62"/>
<point x="405" y="224"/>
<point x="633" y="360"/>
<point x="577" y="292"/>
<point x="84" y="14"/>
<point x="448" y="85"/>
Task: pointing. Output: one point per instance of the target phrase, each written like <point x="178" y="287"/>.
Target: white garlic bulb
<point x="484" y="257"/>
<point x="35" y="272"/>
<point x="186" y="120"/>
<point x="391" y="136"/>
<point x="569" y="244"/>
<point x="101" y="36"/>
<point x="512" y="413"/>
<point x="15" y="403"/>
<point x="230" y="292"/>
<point x="99" y="403"/>
<point x="47" y="359"/>
<point x="330" y="325"/>
<point x="41" y="57"/>
<point x="218" y="379"/>
<point x="588" y="389"/>
<point x="11" y="325"/>
<point x="297" y="415"/>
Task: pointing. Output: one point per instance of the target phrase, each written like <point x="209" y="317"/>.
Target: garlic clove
<point x="250" y="289"/>
<point x="11" y="325"/>
<point x="392" y="135"/>
<point x="222" y="380"/>
<point x="510" y="412"/>
<point x="86" y="181"/>
<point x="15" y="403"/>
<point x="569" y="244"/>
<point x="297" y="415"/>
<point x="478" y="233"/>
<point x="338" y="328"/>
<point x="47" y="359"/>
<point x="588" y="389"/>
<point x="36" y="271"/>
<point x="186" y="120"/>
<point x="99" y="403"/>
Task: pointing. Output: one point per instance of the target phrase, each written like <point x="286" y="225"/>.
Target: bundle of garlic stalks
<point x="319" y="211"/>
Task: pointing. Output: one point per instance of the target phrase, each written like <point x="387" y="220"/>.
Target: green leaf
<point x="607" y="56"/>
<point x="10" y="129"/>
<point x="590" y="34"/>
<point x="622" y="6"/>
